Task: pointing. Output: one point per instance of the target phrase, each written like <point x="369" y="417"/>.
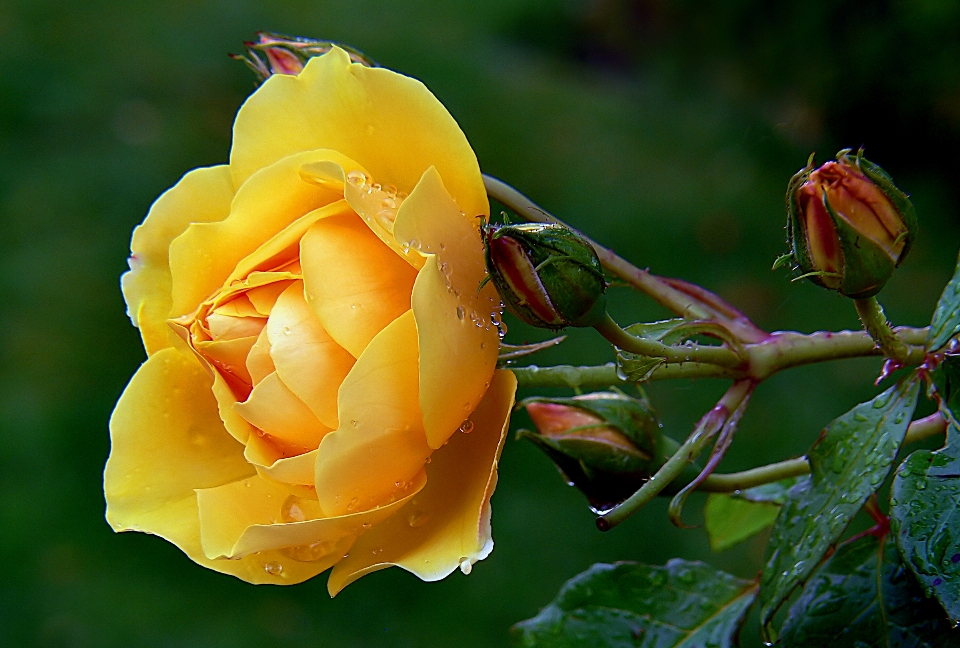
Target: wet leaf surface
<point x="774" y="493"/>
<point x="946" y="317"/>
<point x="925" y="520"/>
<point x="680" y="605"/>
<point x="863" y="596"/>
<point x="848" y="463"/>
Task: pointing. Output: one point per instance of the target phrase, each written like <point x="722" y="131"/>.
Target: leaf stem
<point x="876" y="324"/>
<point x="703" y="433"/>
<point x="730" y="482"/>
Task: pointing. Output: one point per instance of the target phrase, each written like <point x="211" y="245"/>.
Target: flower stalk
<point x="877" y="326"/>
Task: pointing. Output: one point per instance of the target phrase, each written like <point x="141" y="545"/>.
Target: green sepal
<point x="900" y="200"/>
<point x="866" y="267"/>
<point x="796" y="238"/>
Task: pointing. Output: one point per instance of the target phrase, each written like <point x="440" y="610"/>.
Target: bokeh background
<point x="666" y="128"/>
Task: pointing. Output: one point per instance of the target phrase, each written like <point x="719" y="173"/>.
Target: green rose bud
<point x="606" y="444"/>
<point x="547" y="275"/>
<point x="849" y="227"/>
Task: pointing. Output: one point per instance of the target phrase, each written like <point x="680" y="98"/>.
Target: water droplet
<point x="414" y="244"/>
<point x="466" y="427"/>
<point x="390" y="190"/>
<point x="273" y="568"/>
<point x="385" y="218"/>
<point x="445" y="269"/>
<point x="311" y="552"/>
<point x="460" y="312"/>
<point x="400" y="485"/>
<point x="352" y="506"/>
<point x="466" y="566"/>
<point x="354" y="306"/>
<point x="357" y="178"/>
<point x="291" y="510"/>
<point x="417" y="518"/>
<point x="428" y="460"/>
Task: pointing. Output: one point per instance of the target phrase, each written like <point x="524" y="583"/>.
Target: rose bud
<point x="546" y="274"/>
<point x="606" y="444"/>
<point x="288" y="54"/>
<point x="849" y="227"/>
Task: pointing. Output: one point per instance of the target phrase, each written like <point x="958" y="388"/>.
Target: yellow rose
<point x="320" y="389"/>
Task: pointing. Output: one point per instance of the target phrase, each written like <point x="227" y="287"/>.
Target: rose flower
<point x="320" y="389"/>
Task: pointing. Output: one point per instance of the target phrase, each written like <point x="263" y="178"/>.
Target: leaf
<point x="946" y="317"/>
<point x="774" y="492"/>
<point x="946" y="388"/>
<point x="849" y="462"/>
<point x="864" y="596"/>
<point x="638" y="368"/>
<point x="730" y="520"/>
<point x="925" y="520"/>
<point x="680" y="605"/>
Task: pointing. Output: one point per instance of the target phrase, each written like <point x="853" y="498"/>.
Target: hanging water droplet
<point x="466" y="566"/>
<point x="357" y="178"/>
<point x="273" y="568"/>
<point x="466" y="427"/>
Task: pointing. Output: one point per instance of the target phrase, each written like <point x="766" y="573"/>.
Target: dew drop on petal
<point x="466" y="566"/>
<point x="460" y="313"/>
<point x="357" y="178"/>
<point x="417" y="518"/>
<point x="273" y="568"/>
<point x="466" y="427"/>
<point x="291" y="510"/>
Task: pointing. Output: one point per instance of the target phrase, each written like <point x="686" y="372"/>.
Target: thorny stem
<point x="728" y="483"/>
<point x="779" y="351"/>
<point x="876" y="324"/>
<point x="703" y="433"/>
<point x="715" y="355"/>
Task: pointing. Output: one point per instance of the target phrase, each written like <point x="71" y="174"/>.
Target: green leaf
<point x="861" y="597"/>
<point x="638" y="368"/>
<point x="926" y="522"/>
<point x="680" y="605"/>
<point x="774" y="492"/>
<point x="730" y="520"/>
<point x="946" y="388"/>
<point x="849" y="462"/>
<point x="946" y="317"/>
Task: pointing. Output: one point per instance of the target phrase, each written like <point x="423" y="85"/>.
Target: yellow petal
<point x="204" y="256"/>
<point x="230" y="355"/>
<point x="273" y="408"/>
<point x="380" y="446"/>
<point x="307" y="359"/>
<point x="458" y="340"/>
<point x="264" y="297"/>
<point x="203" y="195"/>
<point x="390" y="123"/>
<point x="255" y="515"/>
<point x="448" y="523"/>
<point x="355" y="284"/>
<point x="297" y="471"/>
<point x="259" y="363"/>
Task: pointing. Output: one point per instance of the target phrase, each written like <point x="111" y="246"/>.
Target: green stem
<point x="592" y="377"/>
<point x="716" y="355"/>
<point x="664" y="294"/>
<point x="684" y="456"/>
<point x="728" y="483"/>
<point x="876" y="324"/>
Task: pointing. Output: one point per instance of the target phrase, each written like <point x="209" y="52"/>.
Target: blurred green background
<point x="667" y="128"/>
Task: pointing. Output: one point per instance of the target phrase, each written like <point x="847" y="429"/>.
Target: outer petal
<point x="307" y="359"/>
<point x="448" y="523"/>
<point x="390" y="122"/>
<point x="355" y="284"/>
<point x="206" y="254"/>
<point x="380" y="446"/>
<point x="201" y="196"/>
<point x="248" y="516"/>
<point x="458" y="340"/>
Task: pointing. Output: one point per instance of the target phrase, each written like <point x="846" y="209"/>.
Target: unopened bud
<point x="546" y="274"/>
<point x="288" y="54"/>
<point x="849" y="227"/>
<point x="606" y="444"/>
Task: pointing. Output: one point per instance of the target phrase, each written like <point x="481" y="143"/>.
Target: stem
<point x="709" y="424"/>
<point x="920" y="429"/>
<point x="876" y="324"/>
<point x="665" y="295"/>
<point x="592" y="377"/>
<point x="715" y="355"/>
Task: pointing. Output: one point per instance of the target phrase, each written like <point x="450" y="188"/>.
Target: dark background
<point x="667" y="128"/>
